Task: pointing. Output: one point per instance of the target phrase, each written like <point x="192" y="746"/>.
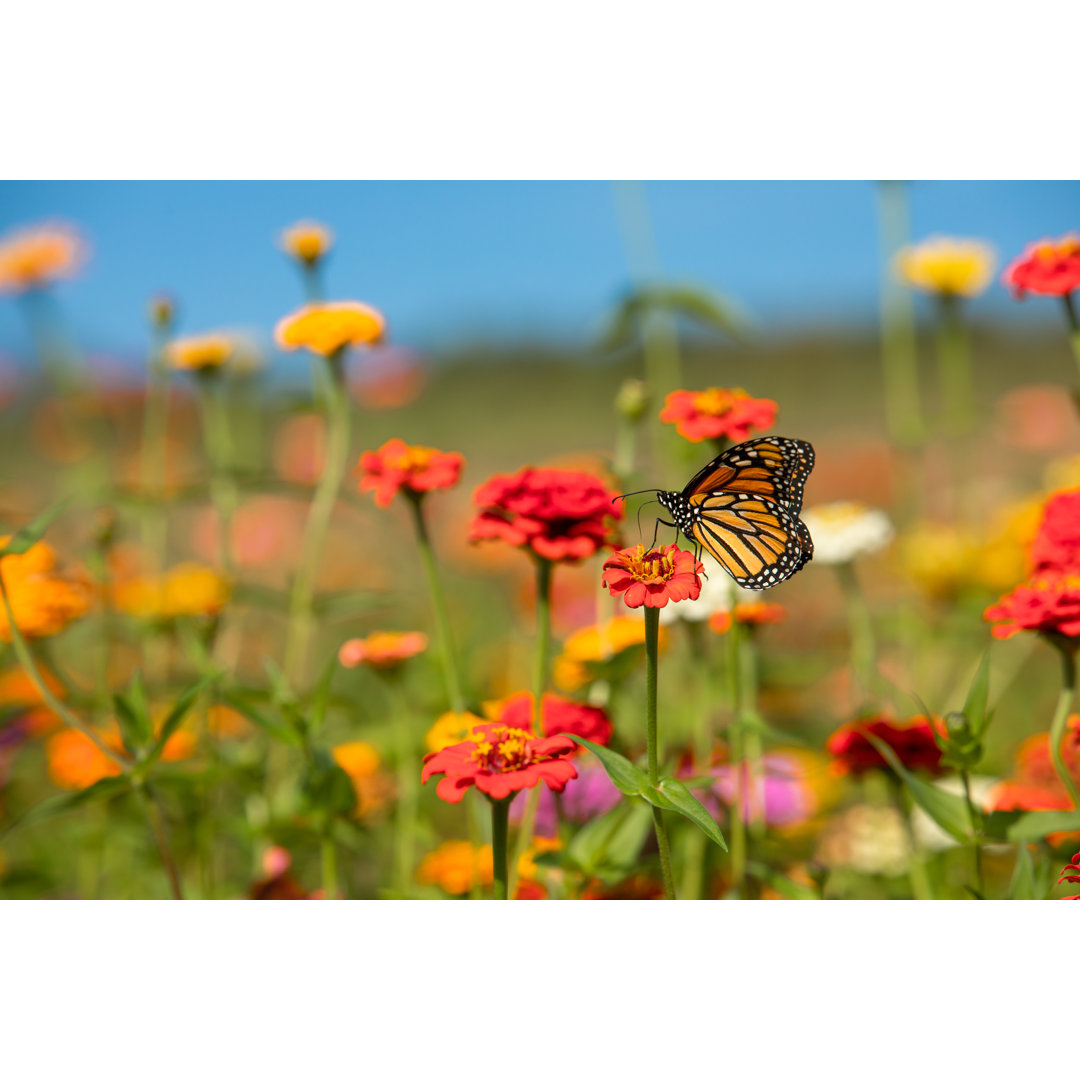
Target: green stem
<point x="154" y="452"/>
<point x="977" y="846"/>
<point x="735" y="740"/>
<point x="219" y="454"/>
<point x="161" y="838"/>
<point x="438" y="602"/>
<point x="1074" y="325"/>
<point x="861" y="627"/>
<point x="899" y="359"/>
<point x="544" y="570"/>
<point x="955" y="375"/>
<point x="752" y="746"/>
<point x="328" y="850"/>
<point x="408" y="771"/>
<point x="1061" y="718"/>
<point x="500" y="825"/>
<point x="652" y="637"/>
<point x="26" y="659"/>
<point x="318" y="523"/>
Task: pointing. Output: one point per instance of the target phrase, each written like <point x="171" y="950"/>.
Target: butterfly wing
<point x="772" y="467"/>
<point x="757" y="541"/>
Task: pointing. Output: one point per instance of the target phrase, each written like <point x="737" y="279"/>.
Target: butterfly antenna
<point x="639" y="509"/>
<point x="645" y="491"/>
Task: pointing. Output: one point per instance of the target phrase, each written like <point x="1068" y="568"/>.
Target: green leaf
<point x="949" y="811"/>
<point x="625" y="775"/>
<point x="30" y="534"/>
<point x="105" y="788"/>
<point x="1018" y="826"/>
<point x="683" y="802"/>
<point x="275" y="730"/>
<point x="175" y="717"/>
<point x="327" y="787"/>
<point x="321" y="697"/>
<point x="1022" y="886"/>
<point x="701" y="306"/>
<point x="133" y="715"/>
<point x="612" y="843"/>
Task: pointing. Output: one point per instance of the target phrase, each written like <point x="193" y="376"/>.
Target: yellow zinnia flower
<point x="947" y="265"/>
<point x="327" y="328"/>
<point x="204" y="353"/>
<point x="32" y="257"/>
<point x="307" y="241"/>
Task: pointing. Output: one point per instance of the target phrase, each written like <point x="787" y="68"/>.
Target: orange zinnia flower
<point x="32" y="257"/>
<point x="361" y="761"/>
<point x="42" y="600"/>
<point x="717" y="414"/>
<point x="76" y="762"/>
<point x="326" y="329"/>
<point x="395" y="467"/>
<point x="500" y="761"/>
<point x="207" y="352"/>
<point x="385" y="649"/>
<point x="752" y="614"/>
<point x="653" y="578"/>
<point x="307" y="241"/>
<point x="1049" y="604"/>
<point x="187" y="589"/>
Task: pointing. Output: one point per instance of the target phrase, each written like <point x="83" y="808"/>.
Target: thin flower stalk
<point x="219" y="453"/>
<point x="161" y="838"/>
<point x="301" y="606"/>
<point x="652" y="636"/>
<point x="447" y="654"/>
<point x="544" y="568"/>
<point x="500" y="825"/>
<point x="1073" y="320"/>
<point x="976" y="848"/>
<point x="956" y="379"/>
<point x="861" y="627"/>
<point x="408" y="790"/>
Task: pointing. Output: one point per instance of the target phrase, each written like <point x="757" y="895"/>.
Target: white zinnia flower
<point x="843" y="531"/>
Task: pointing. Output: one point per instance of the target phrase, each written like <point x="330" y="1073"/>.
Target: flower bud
<point x="632" y="399"/>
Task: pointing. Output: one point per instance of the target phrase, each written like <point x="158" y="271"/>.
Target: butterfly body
<point x="743" y="508"/>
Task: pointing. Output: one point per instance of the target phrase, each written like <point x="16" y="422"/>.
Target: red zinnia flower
<point x="559" y="514"/>
<point x="500" y="761"/>
<point x="653" y="578"/>
<point x="1050" y="268"/>
<point x="1056" y="547"/>
<point x="718" y="414"/>
<point x="560" y="717"/>
<point x="416" y="469"/>
<point x="1050" y="604"/>
<point x="912" y="742"/>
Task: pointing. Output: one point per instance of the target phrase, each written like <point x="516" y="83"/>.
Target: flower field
<point x="700" y="615"/>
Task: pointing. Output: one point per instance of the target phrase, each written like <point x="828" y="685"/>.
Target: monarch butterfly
<point x="743" y="509"/>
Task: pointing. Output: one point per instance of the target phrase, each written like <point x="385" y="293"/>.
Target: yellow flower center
<point x="507" y="750"/>
<point x="1060" y="249"/>
<point x="651" y="566"/>
<point x="717" y="402"/>
<point x="411" y="458"/>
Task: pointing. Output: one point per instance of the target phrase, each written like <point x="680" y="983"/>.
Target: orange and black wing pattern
<point x="743" y="508"/>
<point x="773" y="467"/>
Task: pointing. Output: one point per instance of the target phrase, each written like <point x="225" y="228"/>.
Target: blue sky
<point x="450" y="262"/>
